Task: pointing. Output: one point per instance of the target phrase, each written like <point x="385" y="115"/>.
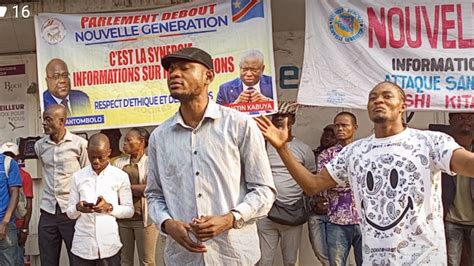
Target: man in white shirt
<point x="99" y="194"/>
<point x="395" y="175"/>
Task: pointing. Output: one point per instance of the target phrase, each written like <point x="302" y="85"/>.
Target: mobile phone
<point x="194" y="238"/>
<point x="191" y="234"/>
<point x="87" y="204"/>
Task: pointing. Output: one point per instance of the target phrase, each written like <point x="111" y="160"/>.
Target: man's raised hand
<point x="276" y="136"/>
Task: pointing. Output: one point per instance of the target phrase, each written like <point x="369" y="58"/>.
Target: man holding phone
<point x="99" y="194"/>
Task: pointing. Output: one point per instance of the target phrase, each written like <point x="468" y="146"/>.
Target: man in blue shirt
<point x="10" y="184"/>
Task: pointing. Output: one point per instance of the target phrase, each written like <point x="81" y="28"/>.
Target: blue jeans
<point x="8" y="246"/>
<point x="340" y="238"/>
<point x="457" y="235"/>
<point x="20" y="256"/>
<point x="317" y="236"/>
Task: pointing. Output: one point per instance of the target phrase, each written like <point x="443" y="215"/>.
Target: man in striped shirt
<point x="209" y="177"/>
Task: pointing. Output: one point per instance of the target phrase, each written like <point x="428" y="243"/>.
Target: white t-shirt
<point x="397" y="188"/>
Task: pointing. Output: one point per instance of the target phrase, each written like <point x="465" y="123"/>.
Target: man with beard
<point x="458" y="196"/>
<point x="395" y="175"/>
<point x="208" y="178"/>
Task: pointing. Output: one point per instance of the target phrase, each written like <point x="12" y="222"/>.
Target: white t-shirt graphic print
<point x="397" y="188"/>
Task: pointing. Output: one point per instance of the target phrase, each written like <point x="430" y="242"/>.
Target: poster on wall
<point x="426" y="47"/>
<point x="13" y="103"/>
<point x="106" y="68"/>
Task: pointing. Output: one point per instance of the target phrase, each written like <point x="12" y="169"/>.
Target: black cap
<point x="191" y="54"/>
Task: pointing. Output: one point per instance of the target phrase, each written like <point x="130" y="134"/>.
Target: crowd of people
<point x="221" y="188"/>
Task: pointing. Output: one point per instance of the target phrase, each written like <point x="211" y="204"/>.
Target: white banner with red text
<point x="426" y="47"/>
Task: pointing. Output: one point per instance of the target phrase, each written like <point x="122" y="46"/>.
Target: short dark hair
<point x="329" y="127"/>
<point x="401" y="92"/>
<point x="351" y="115"/>
<point x="451" y="114"/>
<point x="143" y="133"/>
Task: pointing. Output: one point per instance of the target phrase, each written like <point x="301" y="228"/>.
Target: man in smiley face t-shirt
<point x="397" y="189"/>
<point x="395" y="175"/>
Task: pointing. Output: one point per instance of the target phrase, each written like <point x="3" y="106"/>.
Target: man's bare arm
<point x="462" y="162"/>
<point x="309" y="182"/>
<point x="14" y="196"/>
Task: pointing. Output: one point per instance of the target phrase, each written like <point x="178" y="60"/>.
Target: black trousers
<point x="52" y="230"/>
<point x="111" y="261"/>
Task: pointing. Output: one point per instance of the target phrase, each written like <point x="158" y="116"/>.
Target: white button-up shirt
<point x="96" y="234"/>
<point x="256" y="87"/>
<point x="60" y="161"/>
<point x="218" y="166"/>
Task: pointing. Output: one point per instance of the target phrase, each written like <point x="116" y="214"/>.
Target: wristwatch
<point x="238" y="220"/>
<point x="24" y="230"/>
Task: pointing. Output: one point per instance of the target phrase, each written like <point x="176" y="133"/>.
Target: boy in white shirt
<point x="99" y="194"/>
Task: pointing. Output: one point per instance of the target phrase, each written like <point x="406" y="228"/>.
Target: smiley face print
<point x="390" y="188"/>
<point x="391" y="208"/>
<point x="397" y="188"/>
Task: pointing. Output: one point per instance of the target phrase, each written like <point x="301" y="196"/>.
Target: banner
<point x="13" y="103"/>
<point x="426" y="47"/>
<point x="113" y="75"/>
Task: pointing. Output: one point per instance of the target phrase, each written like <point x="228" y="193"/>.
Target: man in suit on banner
<point x="59" y="90"/>
<point x="251" y="86"/>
